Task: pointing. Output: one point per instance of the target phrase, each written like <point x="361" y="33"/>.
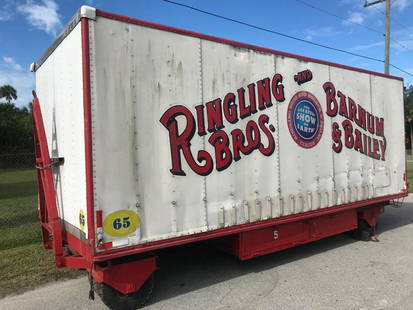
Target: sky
<point x="28" y="28"/>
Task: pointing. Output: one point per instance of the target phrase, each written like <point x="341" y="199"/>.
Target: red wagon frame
<point x="244" y="241"/>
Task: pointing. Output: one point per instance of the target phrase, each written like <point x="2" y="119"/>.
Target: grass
<point x="24" y="263"/>
<point x="410" y="172"/>
<point x="28" y="266"/>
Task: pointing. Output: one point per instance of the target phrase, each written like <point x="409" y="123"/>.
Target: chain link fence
<point x="19" y="224"/>
<point x="16" y="160"/>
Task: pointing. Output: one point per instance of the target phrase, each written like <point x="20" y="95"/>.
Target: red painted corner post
<point x="125" y="277"/>
<point x="48" y="214"/>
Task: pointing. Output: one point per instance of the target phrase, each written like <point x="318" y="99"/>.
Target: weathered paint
<point x="59" y="85"/>
<point x="140" y="73"/>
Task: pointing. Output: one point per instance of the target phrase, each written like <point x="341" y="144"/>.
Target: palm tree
<point x="8" y="92"/>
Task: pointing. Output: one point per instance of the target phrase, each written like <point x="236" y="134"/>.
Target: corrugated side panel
<point x="192" y="135"/>
<point x="60" y="91"/>
<point x="307" y="174"/>
<point x="387" y="98"/>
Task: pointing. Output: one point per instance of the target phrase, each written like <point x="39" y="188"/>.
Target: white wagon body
<point x="191" y="134"/>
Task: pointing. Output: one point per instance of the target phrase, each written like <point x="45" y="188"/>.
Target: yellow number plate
<point x="121" y="223"/>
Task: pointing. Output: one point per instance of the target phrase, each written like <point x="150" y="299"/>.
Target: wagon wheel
<point x="363" y="232"/>
<point x="118" y="301"/>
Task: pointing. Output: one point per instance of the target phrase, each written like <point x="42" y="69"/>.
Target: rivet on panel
<point x="292" y="204"/>
<point x="245" y="211"/>
<point x="300" y="208"/>
<point x="281" y="205"/>
<point x="350" y="194"/>
<point x="319" y="200"/>
<point x="268" y="211"/>
<point x="221" y="217"/>
<point x="234" y="214"/>
<point x="327" y="196"/>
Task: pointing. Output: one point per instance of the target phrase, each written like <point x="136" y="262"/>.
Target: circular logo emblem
<point x="305" y="119"/>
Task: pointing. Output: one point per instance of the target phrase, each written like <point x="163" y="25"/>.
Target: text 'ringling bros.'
<point x="211" y="118"/>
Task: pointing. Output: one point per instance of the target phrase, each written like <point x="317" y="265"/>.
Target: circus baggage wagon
<point x="149" y="137"/>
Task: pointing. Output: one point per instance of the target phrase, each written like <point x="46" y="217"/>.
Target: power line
<point x="391" y="39"/>
<point x="338" y="16"/>
<point x="280" y="34"/>
<point x="391" y="18"/>
<point x="401" y="70"/>
<point x="348" y="21"/>
<point x="272" y="31"/>
<point x="401" y="45"/>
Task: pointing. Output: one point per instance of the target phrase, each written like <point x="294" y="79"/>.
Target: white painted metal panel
<point x="306" y="173"/>
<point x="387" y="100"/>
<point x="247" y="189"/>
<point x="151" y="87"/>
<point x="60" y="92"/>
<point x="353" y="171"/>
<point x="135" y="83"/>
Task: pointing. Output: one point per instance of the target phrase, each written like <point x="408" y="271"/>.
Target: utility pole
<point x="387" y="36"/>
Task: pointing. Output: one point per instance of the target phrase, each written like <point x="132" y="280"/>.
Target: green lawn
<point x="23" y="261"/>
<point x="410" y="172"/>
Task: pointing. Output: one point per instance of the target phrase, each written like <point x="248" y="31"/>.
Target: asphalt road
<point x="334" y="273"/>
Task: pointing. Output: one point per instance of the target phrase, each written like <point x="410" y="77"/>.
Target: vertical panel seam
<point x="371" y="110"/>
<point x="92" y="108"/>
<point x="201" y="98"/>
<point x="332" y="151"/>
<point x="278" y="136"/>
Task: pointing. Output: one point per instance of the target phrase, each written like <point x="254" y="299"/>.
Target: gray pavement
<point x="334" y="273"/>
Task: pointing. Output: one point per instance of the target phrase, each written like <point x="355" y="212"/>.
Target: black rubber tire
<point x="118" y="301"/>
<point x="364" y="231"/>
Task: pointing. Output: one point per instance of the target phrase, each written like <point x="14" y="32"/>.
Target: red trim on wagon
<point x="99" y="221"/>
<point x="75" y="243"/>
<point x="88" y="133"/>
<point x="47" y="207"/>
<point x="151" y="246"/>
<point x="234" y="43"/>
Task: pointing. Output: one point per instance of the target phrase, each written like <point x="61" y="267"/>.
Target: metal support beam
<point x="366" y="4"/>
<point x="387" y="45"/>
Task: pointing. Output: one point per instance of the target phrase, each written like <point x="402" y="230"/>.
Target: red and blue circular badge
<point x="305" y="119"/>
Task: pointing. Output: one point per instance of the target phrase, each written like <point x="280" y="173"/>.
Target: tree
<point x="16" y="129"/>
<point x="8" y="92"/>
<point x="408" y="115"/>
<point x="408" y="102"/>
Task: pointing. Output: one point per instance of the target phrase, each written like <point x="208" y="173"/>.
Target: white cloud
<point x="12" y="73"/>
<point x="6" y="10"/>
<point x="401" y="5"/>
<point x="43" y="16"/>
<point x="328" y="31"/>
<point x="23" y="82"/>
<point x="9" y="61"/>
<point x="354" y="18"/>
<point x="403" y="45"/>
<point x="366" y="46"/>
